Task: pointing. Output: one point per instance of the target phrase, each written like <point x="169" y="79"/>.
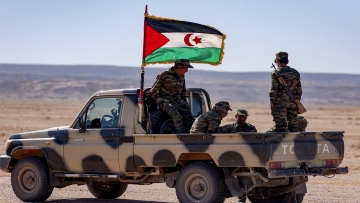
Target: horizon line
<point x="125" y="66"/>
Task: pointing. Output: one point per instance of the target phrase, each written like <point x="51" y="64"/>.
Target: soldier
<point x="283" y="110"/>
<point x="240" y="125"/>
<point x="210" y="121"/>
<point x="169" y="92"/>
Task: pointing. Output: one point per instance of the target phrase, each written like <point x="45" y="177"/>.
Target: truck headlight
<point x="7" y="144"/>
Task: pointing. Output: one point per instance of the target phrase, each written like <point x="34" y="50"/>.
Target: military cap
<point x="224" y="104"/>
<point x="281" y="55"/>
<point x="242" y="112"/>
<point x="183" y="63"/>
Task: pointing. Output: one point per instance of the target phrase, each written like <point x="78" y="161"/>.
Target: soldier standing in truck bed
<point x="283" y="110"/>
<point x="169" y="91"/>
<point x="210" y="121"/>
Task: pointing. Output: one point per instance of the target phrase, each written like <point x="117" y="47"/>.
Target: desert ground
<point x="21" y="115"/>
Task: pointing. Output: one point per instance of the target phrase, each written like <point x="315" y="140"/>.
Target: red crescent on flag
<point x="187" y="40"/>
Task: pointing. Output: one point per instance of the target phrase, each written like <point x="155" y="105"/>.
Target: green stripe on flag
<point x="203" y="55"/>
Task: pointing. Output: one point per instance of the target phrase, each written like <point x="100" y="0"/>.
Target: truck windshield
<point x="103" y="113"/>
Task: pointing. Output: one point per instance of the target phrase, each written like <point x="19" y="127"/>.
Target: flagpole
<point x="141" y="94"/>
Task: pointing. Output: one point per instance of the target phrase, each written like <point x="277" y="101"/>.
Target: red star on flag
<point x="197" y="40"/>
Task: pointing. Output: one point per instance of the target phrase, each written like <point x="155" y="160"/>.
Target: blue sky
<point x="319" y="35"/>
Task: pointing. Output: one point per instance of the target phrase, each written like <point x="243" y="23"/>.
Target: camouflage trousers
<point x="181" y="115"/>
<point x="284" y="114"/>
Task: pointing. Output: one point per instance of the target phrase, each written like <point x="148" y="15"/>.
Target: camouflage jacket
<point x="169" y="85"/>
<point x="209" y="122"/>
<point x="277" y="93"/>
<point x="247" y="127"/>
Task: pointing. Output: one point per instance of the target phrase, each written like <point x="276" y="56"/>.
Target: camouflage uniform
<point x="210" y="121"/>
<point x="169" y="92"/>
<point x="284" y="111"/>
<point x="247" y="127"/>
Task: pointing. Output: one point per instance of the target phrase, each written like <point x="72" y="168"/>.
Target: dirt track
<point x="26" y="115"/>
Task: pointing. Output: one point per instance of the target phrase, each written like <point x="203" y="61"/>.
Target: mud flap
<point x="302" y="188"/>
<point x="232" y="184"/>
<point x="234" y="187"/>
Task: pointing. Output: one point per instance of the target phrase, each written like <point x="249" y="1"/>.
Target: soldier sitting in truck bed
<point x="169" y="93"/>
<point x="210" y="121"/>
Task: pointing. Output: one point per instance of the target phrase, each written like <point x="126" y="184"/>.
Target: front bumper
<point x="4" y="163"/>
<point x="278" y="173"/>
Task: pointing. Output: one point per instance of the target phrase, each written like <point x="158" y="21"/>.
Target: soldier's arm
<point x="214" y="124"/>
<point x="299" y="90"/>
<point x="229" y="128"/>
<point x="199" y="125"/>
<point x="155" y="89"/>
<point x="183" y="92"/>
<point x="274" y="88"/>
<point x="254" y="129"/>
<point x="293" y="84"/>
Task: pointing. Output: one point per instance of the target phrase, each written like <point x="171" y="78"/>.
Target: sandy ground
<point x="32" y="114"/>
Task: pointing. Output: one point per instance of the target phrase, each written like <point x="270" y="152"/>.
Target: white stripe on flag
<point x="177" y="39"/>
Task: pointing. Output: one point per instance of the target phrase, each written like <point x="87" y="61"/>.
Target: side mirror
<point x="81" y="124"/>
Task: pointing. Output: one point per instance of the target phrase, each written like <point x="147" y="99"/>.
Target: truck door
<point x="96" y="149"/>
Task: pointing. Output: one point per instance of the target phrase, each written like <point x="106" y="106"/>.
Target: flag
<point x="166" y="40"/>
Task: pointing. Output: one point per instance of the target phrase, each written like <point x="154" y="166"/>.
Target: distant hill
<point x="80" y="81"/>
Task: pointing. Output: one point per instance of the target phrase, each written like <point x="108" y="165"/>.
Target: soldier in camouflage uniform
<point x="283" y="110"/>
<point x="210" y="121"/>
<point x="240" y="125"/>
<point x="169" y="92"/>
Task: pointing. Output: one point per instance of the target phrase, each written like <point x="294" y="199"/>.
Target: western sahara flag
<point x="166" y="40"/>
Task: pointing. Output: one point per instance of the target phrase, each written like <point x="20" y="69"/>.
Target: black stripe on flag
<point x="179" y="26"/>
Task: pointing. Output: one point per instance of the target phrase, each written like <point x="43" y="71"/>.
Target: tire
<point x="201" y="183"/>
<point x="162" y="123"/>
<point x="284" y="198"/>
<point x="30" y="180"/>
<point x="107" y="191"/>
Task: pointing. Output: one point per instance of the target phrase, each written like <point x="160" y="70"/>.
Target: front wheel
<point x="30" y="180"/>
<point x="107" y="191"/>
<point x="201" y="183"/>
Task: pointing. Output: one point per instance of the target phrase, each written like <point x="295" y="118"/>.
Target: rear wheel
<point x="107" y="191"/>
<point x="202" y="183"/>
<point x="30" y="180"/>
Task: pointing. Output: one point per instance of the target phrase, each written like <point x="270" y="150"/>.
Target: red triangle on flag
<point x="153" y="40"/>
